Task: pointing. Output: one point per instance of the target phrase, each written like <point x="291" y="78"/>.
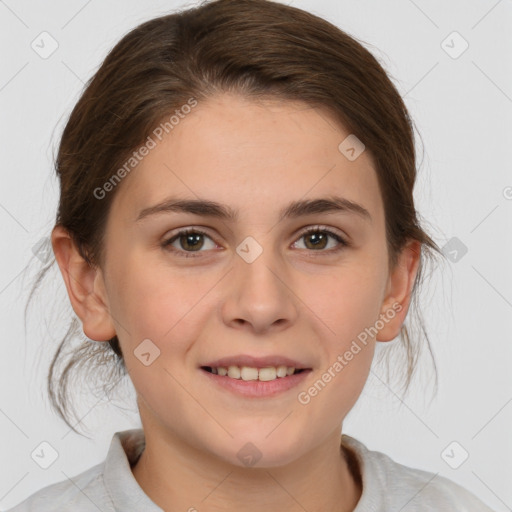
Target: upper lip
<point x="255" y="362"/>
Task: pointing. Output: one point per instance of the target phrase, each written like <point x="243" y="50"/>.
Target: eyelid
<point x="341" y="238"/>
<point x="322" y="227"/>
<point x="180" y="253"/>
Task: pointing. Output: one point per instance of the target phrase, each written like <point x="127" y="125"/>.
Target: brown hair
<point x="257" y="48"/>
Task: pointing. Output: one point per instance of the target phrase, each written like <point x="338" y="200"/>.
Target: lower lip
<point x="257" y="388"/>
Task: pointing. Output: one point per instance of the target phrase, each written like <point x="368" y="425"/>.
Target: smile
<point x="255" y="382"/>
<point x="252" y="373"/>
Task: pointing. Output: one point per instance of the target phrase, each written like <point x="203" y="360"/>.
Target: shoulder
<point x="388" y="485"/>
<point x="108" y="486"/>
<point x="84" y="492"/>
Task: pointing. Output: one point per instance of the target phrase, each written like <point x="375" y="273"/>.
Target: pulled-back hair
<point x="256" y="48"/>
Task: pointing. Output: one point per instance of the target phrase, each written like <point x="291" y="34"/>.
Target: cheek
<point x="158" y="303"/>
<point x="348" y="347"/>
<point x="348" y="300"/>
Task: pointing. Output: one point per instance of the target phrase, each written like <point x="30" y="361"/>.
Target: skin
<point x="295" y="300"/>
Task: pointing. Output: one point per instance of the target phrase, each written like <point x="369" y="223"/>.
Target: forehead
<point x="251" y="154"/>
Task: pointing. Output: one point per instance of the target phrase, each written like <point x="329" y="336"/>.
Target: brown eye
<point x="188" y="241"/>
<point x="191" y="241"/>
<point x="318" y="239"/>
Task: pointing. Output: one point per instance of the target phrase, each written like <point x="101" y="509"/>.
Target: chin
<point x="259" y="451"/>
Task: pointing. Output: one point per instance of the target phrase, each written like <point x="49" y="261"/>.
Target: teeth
<point x="250" y="373"/>
<point x="282" y="371"/>
<point x="267" y="373"/>
<point x="234" y="372"/>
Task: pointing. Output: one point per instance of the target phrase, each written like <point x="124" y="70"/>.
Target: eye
<point x="317" y="239"/>
<point x="190" y="240"/>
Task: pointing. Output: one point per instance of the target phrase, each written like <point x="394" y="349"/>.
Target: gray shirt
<point x="110" y="486"/>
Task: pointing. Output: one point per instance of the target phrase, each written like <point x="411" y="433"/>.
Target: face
<point x="296" y="289"/>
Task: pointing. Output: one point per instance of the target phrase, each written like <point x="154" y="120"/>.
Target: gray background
<point x="462" y="106"/>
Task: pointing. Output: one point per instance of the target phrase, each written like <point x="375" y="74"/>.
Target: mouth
<point x="251" y="373"/>
<point x="255" y="377"/>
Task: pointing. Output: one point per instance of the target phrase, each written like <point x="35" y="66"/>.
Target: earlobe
<point x="85" y="288"/>
<point x="398" y="293"/>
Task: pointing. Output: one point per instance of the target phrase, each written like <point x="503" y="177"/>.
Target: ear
<point x="85" y="287"/>
<point x="398" y="291"/>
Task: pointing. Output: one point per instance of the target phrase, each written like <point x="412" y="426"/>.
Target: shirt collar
<point x="126" y="447"/>
<point x="123" y="488"/>
<point x="371" y="498"/>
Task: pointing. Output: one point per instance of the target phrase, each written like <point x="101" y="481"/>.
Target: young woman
<point x="237" y="228"/>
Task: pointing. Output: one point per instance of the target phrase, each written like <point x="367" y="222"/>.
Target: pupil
<point x="195" y="239"/>
<point x="317" y="239"/>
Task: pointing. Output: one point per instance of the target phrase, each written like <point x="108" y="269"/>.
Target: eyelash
<point x="191" y="254"/>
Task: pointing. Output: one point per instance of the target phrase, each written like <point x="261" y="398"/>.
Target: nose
<point x="260" y="295"/>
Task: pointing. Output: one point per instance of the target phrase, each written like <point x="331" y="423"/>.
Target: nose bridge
<point x="256" y="267"/>
<point x="259" y="295"/>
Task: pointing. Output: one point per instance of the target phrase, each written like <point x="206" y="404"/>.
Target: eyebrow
<point x="205" y="208"/>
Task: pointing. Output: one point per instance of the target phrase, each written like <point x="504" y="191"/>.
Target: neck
<point x="177" y="476"/>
